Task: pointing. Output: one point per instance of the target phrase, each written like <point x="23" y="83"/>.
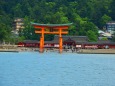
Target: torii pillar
<point x="51" y="29"/>
<point x="60" y="40"/>
<point x="42" y="40"/>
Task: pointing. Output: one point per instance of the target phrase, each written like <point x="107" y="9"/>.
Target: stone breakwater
<point x="97" y="51"/>
<point x="18" y="50"/>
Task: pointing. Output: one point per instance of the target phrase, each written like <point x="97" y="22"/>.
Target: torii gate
<point x="51" y="29"/>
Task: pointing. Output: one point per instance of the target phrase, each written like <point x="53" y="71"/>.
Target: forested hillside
<point x="86" y="15"/>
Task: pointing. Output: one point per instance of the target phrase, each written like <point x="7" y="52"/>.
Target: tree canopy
<point x="86" y="15"/>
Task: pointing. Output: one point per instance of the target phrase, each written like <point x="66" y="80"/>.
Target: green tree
<point x="85" y="26"/>
<point x="112" y="9"/>
<point x="17" y="11"/>
<point x="104" y="19"/>
<point x="3" y="32"/>
<point x="29" y="31"/>
<point x="92" y="36"/>
<point x="60" y="17"/>
<point x="73" y="30"/>
<point x="5" y="28"/>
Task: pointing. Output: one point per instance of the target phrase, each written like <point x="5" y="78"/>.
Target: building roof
<point x="51" y="25"/>
<point x="111" y="22"/>
<point x="18" y="20"/>
<point x="77" y="39"/>
<point x="31" y="41"/>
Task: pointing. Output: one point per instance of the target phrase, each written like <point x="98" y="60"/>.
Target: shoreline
<point x="80" y="51"/>
<point x="97" y="51"/>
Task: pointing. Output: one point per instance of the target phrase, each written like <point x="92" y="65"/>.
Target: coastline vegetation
<point x="87" y="17"/>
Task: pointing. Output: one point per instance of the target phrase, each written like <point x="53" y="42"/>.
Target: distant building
<point x="69" y="42"/>
<point x="104" y="34"/>
<point x="110" y="27"/>
<point x="18" y="24"/>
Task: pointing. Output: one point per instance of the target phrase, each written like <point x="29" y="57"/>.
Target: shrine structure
<point x="59" y="29"/>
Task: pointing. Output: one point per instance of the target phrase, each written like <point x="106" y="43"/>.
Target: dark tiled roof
<point x="70" y="38"/>
<point x="101" y="42"/>
<point x="51" y="25"/>
<point x="31" y="41"/>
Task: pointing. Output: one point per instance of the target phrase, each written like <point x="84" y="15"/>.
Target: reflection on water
<point x="53" y="69"/>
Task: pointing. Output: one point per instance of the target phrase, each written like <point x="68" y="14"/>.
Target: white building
<point x="110" y="27"/>
<point x="18" y="24"/>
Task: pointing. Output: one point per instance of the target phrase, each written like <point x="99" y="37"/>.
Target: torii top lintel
<point x="38" y="25"/>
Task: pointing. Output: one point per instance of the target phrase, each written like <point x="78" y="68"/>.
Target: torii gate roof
<point x="51" y="25"/>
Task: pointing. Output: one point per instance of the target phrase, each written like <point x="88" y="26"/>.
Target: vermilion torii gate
<point x="51" y="29"/>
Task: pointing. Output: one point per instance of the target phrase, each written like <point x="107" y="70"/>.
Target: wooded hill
<point x="86" y="15"/>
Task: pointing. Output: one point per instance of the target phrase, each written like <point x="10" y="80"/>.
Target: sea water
<point x="54" y="69"/>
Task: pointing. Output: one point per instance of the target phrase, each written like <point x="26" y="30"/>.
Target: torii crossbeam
<point x="51" y="29"/>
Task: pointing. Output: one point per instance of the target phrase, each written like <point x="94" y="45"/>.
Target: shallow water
<point x="54" y="69"/>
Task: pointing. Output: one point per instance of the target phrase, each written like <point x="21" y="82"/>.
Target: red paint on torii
<point x="51" y="29"/>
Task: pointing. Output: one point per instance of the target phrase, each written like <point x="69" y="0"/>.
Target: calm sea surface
<point x="54" y="69"/>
